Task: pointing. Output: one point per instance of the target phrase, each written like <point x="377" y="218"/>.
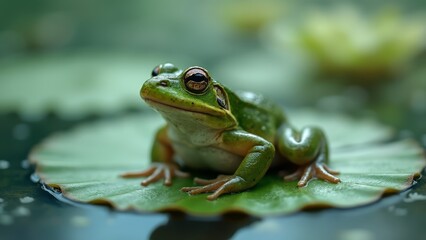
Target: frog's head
<point x="188" y="97"/>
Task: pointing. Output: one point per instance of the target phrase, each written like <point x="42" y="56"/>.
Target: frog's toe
<point x="221" y="185"/>
<point x="307" y="175"/>
<point x="314" y="170"/>
<point x="156" y="175"/>
<point x="329" y="170"/>
<point x="144" y="173"/>
<point x="229" y="187"/>
<point x="323" y="172"/>
<point x="203" y="181"/>
<point x="156" y="172"/>
<point x="204" y="189"/>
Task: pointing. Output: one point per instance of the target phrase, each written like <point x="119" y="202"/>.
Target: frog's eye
<point x="196" y="80"/>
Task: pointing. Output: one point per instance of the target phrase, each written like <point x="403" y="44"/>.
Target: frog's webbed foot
<point x="313" y="170"/>
<point x="156" y="172"/>
<point x="220" y="185"/>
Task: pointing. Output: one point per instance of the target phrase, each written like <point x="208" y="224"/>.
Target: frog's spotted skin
<point x="237" y="134"/>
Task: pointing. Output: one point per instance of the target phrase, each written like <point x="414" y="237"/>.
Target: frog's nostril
<point x="163" y="83"/>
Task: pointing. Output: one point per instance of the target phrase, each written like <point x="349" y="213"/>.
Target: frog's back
<point x="256" y="114"/>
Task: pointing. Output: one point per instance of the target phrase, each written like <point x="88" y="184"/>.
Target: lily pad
<point x="85" y="164"/>
<point x="345" y="41"/>
<point x="74" y="85"/>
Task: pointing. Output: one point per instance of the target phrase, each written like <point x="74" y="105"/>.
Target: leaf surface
<point x="85" y="163"/>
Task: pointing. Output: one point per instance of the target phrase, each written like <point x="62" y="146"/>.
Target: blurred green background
<point x="63" y="63"/>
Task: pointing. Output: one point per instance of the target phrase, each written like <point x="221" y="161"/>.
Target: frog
<point x="238" y="135"/>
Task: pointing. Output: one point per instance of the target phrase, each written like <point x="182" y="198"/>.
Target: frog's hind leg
<point x="308" y="149"/>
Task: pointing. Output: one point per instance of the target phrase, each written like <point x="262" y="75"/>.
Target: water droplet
<point x="4" y="164"/>
<point x="25" y="164"/>
<point x="21" y="211"/>
<point x="398" y="211"/>
<point x="26" y="199"/>
<point x="412" y="197"/>
<point x="34" y="178"/>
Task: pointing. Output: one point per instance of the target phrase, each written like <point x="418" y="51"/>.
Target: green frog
<point x="239" y="135"/>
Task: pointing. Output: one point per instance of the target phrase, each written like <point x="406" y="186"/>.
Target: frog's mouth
<point x="156" y="103"/>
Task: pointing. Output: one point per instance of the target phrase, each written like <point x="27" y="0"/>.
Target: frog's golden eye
<point x="196" y="80"/>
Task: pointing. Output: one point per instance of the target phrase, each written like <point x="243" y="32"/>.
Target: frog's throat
<point x="155" y="102"/>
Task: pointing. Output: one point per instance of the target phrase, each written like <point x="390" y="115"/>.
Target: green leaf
<point x="75" y="85"/>
<point x="347" y="41"/>
<point x="85" y="164"/>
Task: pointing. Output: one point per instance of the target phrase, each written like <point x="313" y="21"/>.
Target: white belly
<point x="207" y="158"/>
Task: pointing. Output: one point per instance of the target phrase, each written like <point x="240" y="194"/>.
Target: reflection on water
<point x="178" y="224"/>
<point x="199" y="228"/>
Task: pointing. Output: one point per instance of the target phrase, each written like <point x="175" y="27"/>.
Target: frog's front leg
<point x="309" y="150"/>
<point x="258" y="154"/>
<point x="163" y="165"/>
